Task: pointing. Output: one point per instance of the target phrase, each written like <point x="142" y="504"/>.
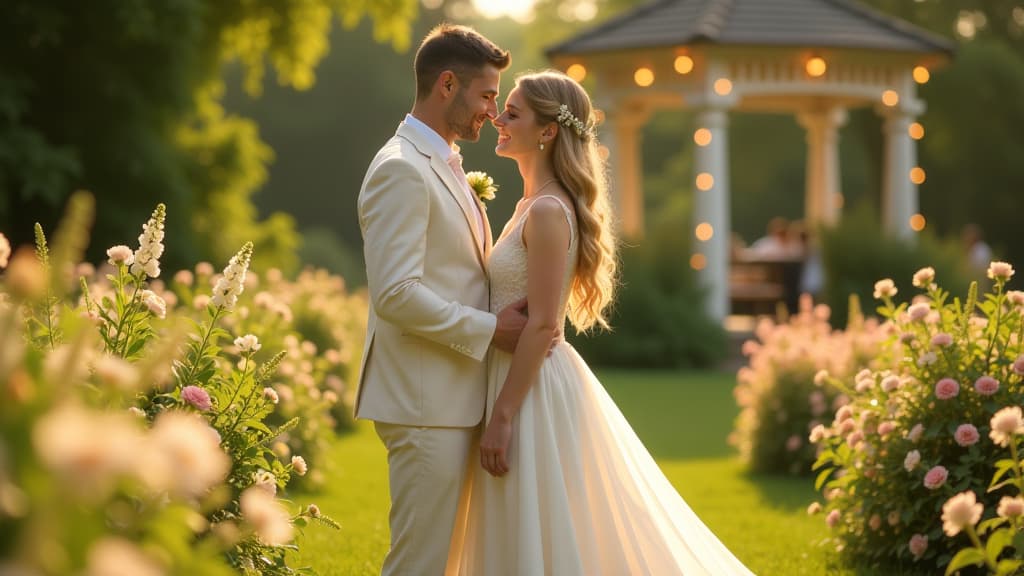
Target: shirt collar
<point x="436" y="141"/>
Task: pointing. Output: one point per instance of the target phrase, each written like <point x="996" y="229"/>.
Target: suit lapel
<point x="444" y="171"/>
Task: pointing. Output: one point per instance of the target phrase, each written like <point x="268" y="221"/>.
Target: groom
<point x="426" y="242"/>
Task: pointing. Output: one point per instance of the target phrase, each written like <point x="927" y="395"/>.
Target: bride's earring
<point x="541" y="145"/>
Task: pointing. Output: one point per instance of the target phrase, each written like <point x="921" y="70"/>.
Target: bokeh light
<point x="917" y="175"/>
<point x="705" y="181"/>
<point x="577" y="72"/>
<point x="702" y="137"/>
<point x="890" y="98"/>
<point x="816" y="67"/>
<point x="643" y="77"/>
<point x="698" y="261"/>
<point x="921" y="74"/>
<point x="704" y="232"/>
<point x="916" y="131"/>
<point x="723" y="86"/>
<point x="684" y="64"/>
<point x="917" y="222"/>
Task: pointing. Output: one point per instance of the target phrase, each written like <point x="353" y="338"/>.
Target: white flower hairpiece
<point x="569" y="120"/>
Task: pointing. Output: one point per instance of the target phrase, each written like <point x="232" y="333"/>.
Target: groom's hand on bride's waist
<point x="511" y="321"/>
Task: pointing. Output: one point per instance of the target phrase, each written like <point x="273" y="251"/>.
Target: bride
<point x="570" y="489"/>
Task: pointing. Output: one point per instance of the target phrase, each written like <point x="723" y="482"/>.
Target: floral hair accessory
<point x="483" y="186"/>
<point x="569" y="120"/>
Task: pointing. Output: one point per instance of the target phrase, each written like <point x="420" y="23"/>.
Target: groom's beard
<point x="462" y="121"/>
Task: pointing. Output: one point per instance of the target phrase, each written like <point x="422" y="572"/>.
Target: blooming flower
<point x="197" y="397"/>
<point x="1011" y="507"/>
<point x="927" y="359"/>
<point x="959" y="512"/>
<point x="912" y="460"/>
<point x="1015" y="297"/>
<point x="271" y="395"/>
<point x="232" y="282"/>
<point x="832" y="519"/>
<point x="113" y="556"/>
<point x="885" y="288"/>
<point x="917" y="545"/>
<point x="1018" y="365"/>
<point x="155" y="303"/>
<point x="886" y="428"/>
<point x="820" y="377"/>
<point x="1000" y="271"/>
<point x="483" y="185"/>
<point x="266" y="515"/>
<point x="313" y="510"/>
<point x="890" y="383"/>
<point x="946" y="388"/>
<point x="817" y="434"/>
<point x="924" y="277"/>
<point x="875" y="522"/>
<point x="893" y="518"/>
<point x="115" y="371"/>
<point x="299" y="465"/>
<point x="986" y="385"/>
<point x="183" y="277"/>
<point x="935" y="477"/>
<point x="1006" y="423"/>
<point x="248" y="344"/>
<point x="966" y="435"/>
<point x="266" y="481"/>
<point x="184" y="456"/>
<point x="942" y="340"/>
<point x="813" y="508"/>
<point x="147" y="257"/>
<point x="919" y="311"/>
<point x="120" y="254"/>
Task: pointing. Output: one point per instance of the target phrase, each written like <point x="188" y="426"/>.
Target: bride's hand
<point x="494" y="446"/>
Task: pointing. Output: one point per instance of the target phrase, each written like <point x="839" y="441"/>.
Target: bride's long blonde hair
<point x="581" y="172"/>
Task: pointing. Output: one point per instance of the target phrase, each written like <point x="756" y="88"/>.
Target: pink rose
<point x="197" y="397"/>
<point x="919" y="311"/>
<point x="946" y="388"/>
<point x="915" y="433"/>
<point x="854" y="438"/>
<point x="966" y="435"/>
<point x="912" y="460"/>
<point x="942" y="340"/>
<point x="1011" y="507"/>
<point x="1018" y="365"/>
<point x="917" y="545"/>
<point x="832" y="519"/>
<point x="936" y="477"/>
<point x="986" y="385"/>
<point x="890" y="383"/>
<point x="886" y="428"/>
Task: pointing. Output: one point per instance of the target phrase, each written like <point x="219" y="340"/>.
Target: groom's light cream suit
<point x="423" y="377"/>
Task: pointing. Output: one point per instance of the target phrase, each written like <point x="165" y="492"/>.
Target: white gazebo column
<point x="622" y="137"/>
<point x="823" y="176"/>
<point x="899" y="193"/>
<point x="711" y="207"/>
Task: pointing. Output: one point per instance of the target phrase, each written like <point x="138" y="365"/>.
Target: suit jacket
<point x="429" y="329"/>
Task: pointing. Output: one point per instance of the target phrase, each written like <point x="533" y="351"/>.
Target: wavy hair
<point x="581" y="172"/>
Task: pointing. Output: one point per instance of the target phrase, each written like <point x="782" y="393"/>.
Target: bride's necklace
<point x="542" y="187"/>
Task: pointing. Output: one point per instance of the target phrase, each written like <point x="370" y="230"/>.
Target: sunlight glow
<point x="643" y="77"/>
<point x="816" y="67"/>
<point x="518" y="10"/>
<point x="916" y="131"/>
<point x="705" y="181"/>
<point x="577" y="72"/>
<point x="684" y="64"/>
<point x="704" y="232"/>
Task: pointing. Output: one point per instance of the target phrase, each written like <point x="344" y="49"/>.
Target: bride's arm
<point x="546" y="235"/>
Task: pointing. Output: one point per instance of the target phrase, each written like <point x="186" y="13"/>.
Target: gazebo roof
<point x="818" y="23"/>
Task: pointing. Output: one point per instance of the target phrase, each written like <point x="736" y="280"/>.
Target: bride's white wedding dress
<point x="582" y="497"/>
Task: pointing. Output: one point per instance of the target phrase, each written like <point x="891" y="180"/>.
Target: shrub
<point x="919" y="433"/>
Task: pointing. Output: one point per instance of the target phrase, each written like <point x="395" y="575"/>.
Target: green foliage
<point x="658" y="319"/>
<point x="123" y="99"/>
<point x="914" y="436"/>
<point x="856" y="254"/>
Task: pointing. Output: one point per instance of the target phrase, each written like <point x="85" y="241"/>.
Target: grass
<point x="683" y="418"/>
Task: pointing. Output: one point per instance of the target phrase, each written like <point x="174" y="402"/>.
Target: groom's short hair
<point x="460" y="49"/>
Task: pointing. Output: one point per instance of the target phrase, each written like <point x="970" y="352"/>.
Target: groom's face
<point x="474" y="104"/>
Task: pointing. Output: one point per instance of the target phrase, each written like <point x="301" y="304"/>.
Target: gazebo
<point x="812" y="58"/>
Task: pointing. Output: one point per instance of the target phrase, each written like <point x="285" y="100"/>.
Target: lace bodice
<point x="507" y="264"/>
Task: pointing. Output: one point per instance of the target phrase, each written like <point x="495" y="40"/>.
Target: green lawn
<point x="683" y="418"/>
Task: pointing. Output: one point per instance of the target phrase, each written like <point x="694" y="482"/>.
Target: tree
<point x="123" y="99"/>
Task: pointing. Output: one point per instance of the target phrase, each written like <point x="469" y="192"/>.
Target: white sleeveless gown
<point x="582" y="497"/>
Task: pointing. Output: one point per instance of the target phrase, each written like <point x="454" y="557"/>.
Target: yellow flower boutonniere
<point x="483" y="186"/>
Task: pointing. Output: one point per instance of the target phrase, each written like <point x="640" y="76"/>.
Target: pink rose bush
<point x="785" y="393"/>
<point x="143" y="439"/>
<point x="931" y="441"/>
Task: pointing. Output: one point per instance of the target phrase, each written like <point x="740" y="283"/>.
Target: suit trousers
<point x="430" y="478"/>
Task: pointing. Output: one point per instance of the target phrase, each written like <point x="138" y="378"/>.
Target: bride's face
<point x="518" y="132"/>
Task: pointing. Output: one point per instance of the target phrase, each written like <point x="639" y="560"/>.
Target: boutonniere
<point x="483" y="186"/>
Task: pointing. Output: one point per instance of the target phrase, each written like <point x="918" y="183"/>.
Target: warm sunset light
<point x="705" y="181"/>
<point x="917" y="222"/>
<point x="577" y="72"/>
<point x="702" y="137"/>
<point x="917" y="175"/>
<point x="921" y="74"/>
<point x="723" y="86"/>
<point x="916" y="131"/>
<point x="698" y="261"/>
<point x="890" y="98"/>
<point x="684" y="64"/>
<point x="704" y="232"/>
<point x="518" y="10"/>
<point x="816" y="67"/>
<point x="643" y="77"/>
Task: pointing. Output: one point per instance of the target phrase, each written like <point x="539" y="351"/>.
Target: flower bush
<point x="131" y="442"/>
<point x="930" y="427"/>
<point x="782" y="393"/>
